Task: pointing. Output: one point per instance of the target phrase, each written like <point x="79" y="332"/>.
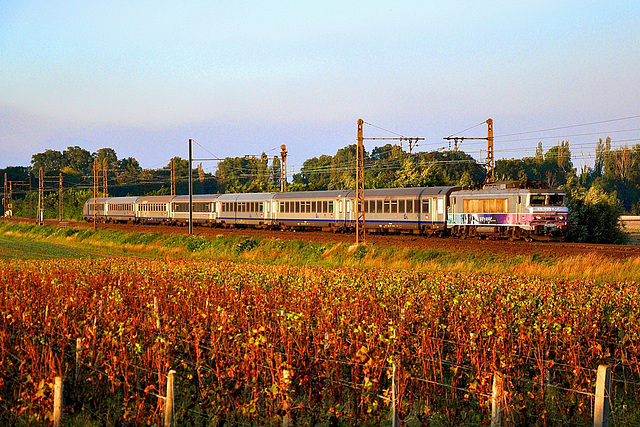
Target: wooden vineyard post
<point x="157" y="312"/>
<point x="77" y="376"/>
<point x="169" y="412"/>
<point x="395" y="419"/>
<point x="603" y="397"/>
<point x="287" y="420"/>
<point x="497" y="399"/>
<point x="78" y="351"/>
<point x="57" y="402"/>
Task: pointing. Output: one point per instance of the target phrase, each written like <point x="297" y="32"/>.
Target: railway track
<point x="515" y="248"/>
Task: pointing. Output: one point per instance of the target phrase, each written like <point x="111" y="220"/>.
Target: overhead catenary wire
<point x="567" y="127"/>
<point x="469" y="128"/>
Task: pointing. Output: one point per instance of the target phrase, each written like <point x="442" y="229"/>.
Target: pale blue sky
<point x="243" y="77"/>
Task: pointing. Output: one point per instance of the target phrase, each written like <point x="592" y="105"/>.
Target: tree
<point x="343" y="168"/>
<point x="128" y="169"/>
<point x="274" y="172"/>
<point x="107" y="157"/>
<point x="315" y="173"/>
<point x="511" y="169"/>
<point x="384" y="166"/>
<point x="78" y="159"/>
<point x="594" y="216"/>
<point x="50" y="161"/>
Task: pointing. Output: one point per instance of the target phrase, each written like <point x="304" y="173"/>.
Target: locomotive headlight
<point x="560" y="218"/>
<point x="538" y="217"/>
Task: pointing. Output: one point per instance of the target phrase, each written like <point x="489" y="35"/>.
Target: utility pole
<point x="10" y="202"/>
<point x="105" y="191"/>
<point x="491" y="164"/>
<point x="4" y="197"/>
<point x="190" y="187"/>
<point x="360" y="229"/>
<point x="173" y="177"/>
<point x="283" y="168"/>
<point x="30" y="198"/>
<point x="41" y="199"/>
<point x="360" y="201"/>
<point x="191" y="160"/>
<point x="95" y="192"/>
<point x="60" y="208"/>
<point x="491" y="172"/>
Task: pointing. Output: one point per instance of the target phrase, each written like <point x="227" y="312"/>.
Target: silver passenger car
<point x="313" y="209"/>
<point x="203" y="210"/>
<point x="245" y="209"/>
<point x="153" y="209"/>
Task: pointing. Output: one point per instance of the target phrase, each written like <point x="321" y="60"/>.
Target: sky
<point x="243" y="77"/>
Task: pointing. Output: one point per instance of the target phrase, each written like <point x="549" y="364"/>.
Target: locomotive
<point x="511" y="210"/>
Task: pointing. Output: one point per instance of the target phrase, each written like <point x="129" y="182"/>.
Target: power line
<point x="569" y="127"/>
<point x="386" y="130"/>
<point x="469" y="128"/>
<point x="571" y="135"/>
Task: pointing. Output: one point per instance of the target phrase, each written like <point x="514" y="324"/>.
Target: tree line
<point x="597" y="195"/>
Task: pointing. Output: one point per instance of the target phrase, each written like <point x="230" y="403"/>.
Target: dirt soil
<point x="499" y="247"/>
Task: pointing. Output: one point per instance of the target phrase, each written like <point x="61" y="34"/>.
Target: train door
<point x="440" y="210"/>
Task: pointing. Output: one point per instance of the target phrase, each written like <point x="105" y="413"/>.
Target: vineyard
<point x="265" y="345"/>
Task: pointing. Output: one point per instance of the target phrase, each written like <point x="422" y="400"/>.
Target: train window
<point x="440" y="203"/>
<point x="387" y="206"/>
<point x="297" y="207"/>
<point x="519" y="200"/>
<point x="261" y="207"/>
<point x="401" y="206"/>
<point x="394" y="206"/>
<point x="555" y="200"/>
<point x="379" y="206"/>
<point x="325" y="206"/>
<point x="425" y="206"/>
<point x="537" y="199"/>
<point x="409" y="206"/>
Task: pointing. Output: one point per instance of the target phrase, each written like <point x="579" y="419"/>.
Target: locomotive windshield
<point x="555" y="199"/>
<point x="546" y="200"/>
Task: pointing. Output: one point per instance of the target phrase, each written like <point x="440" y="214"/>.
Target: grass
<point x="16" y="248"/>
<point x="27" y="241"/>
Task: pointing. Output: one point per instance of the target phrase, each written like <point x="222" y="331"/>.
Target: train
<point x="512" y="210"/>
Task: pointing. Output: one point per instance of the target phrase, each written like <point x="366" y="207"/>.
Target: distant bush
<point x="594" y="216"/>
